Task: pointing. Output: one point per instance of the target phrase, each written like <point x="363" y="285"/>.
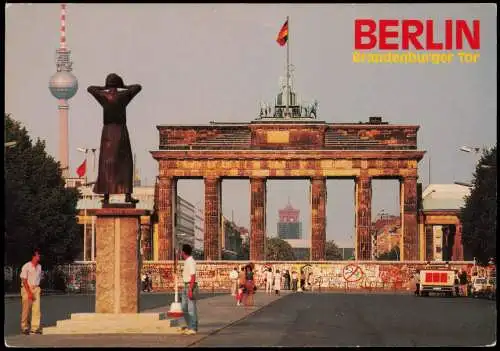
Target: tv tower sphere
<point x="63" y="85"/>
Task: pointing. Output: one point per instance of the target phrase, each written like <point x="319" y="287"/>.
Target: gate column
<point x="409" y="227"/>
<point x="363" y="217"/>
<point x="318" y="220"/>
<point x="167" y="196"/>
<point x="211" y="242"/>
<point x="257" y="218"/>
<point x="458" y="248"/>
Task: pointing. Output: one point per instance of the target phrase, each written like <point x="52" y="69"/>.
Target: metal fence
<point x="69" y="278"/>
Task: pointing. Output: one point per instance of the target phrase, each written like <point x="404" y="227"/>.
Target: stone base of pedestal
<point x="118" y="259"/>
<point x="115" y="323"/>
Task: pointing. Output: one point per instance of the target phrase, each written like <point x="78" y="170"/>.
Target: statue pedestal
<point x="118" y="259"/>
<point x="117" y="281"/>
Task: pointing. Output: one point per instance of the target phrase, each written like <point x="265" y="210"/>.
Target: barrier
<point x="326" y="275"/>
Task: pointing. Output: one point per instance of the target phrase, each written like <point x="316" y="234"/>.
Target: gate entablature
<point x="280" y="163"/>
<point x="288" y="149"/>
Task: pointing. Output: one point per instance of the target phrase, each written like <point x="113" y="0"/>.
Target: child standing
<point x="277" y="282"/>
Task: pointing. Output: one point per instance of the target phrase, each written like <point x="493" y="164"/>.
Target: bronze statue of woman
<point x="115" y="157"/>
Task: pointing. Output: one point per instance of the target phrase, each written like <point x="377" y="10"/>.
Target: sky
<point x="204" y="62"/>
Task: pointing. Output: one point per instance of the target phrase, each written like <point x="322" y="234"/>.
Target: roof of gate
<point x="444" y="196"/>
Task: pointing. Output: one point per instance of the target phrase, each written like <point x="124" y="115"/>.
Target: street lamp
<point x="470" y="149"/>
<point x="464" y="184"/>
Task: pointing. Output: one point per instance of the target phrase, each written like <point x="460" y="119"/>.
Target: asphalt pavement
<point x="215" y="313"/>
<point x="296" y="319"/>
<point x="336" y="319"/>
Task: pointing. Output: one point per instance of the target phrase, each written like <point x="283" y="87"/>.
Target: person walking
<point x="463" y="282"/>
<point x="302" y="280"/>
<point x="457" y="284"/>
<point x="233" y="276"/>
<point x="249" y="286"/>
<point x="417" y="282"/>
<point x="295" y="279"/>
<point x="286" y="276"/>
<point x="277" y="282"/>
<point x="310" y="281"/>
<point x="148" y="286"/>
<point x="241" y="286"/>
<point x="31" y="275"/>
<point x="269" y="280"/>
<point x="190" y="292"/>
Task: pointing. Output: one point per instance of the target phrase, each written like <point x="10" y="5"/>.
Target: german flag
<point x="283" y="34"/>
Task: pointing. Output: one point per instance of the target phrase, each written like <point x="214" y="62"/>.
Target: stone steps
<point x="118" y="316"/>
<point x="109" y="323"/>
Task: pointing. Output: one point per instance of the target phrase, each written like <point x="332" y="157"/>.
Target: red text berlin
<point x="408" y="34"/>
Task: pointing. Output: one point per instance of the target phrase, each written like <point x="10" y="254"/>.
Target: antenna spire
<point x="63" y="61"/>
<point x="62" y="43"/>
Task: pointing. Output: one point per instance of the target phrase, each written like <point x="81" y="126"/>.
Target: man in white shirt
<point x="31" y="274"/>
<point x="190" y="292"/>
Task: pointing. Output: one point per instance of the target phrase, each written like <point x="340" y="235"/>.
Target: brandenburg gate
<point x="288" y="145"/>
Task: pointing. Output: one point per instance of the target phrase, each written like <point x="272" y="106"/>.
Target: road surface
<point x="334" y="319"/>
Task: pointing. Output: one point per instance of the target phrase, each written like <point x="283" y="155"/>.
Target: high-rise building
<point x="63" y="85"/>
<point x="199" y="228"/>
<point x="185" y="229"/>
<point x="289" y="225"/>
<point x="185" y="222"/>
<point x="386" y="234"/>
<point x="232" y="240"/>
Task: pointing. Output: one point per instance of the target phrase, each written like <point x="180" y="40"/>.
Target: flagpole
<point x="85" y="211"/>
<point x="92" y="197"/>
<point x="287" y="67"/>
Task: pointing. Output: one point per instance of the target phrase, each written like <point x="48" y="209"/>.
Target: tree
<point x="392" y="255"/>
<point x="39" y="211"/>
<point x="478" y="216"/>
<point x="278" y="250"/>
<point x="333" y="252"/>
<point x="244" y="252"/>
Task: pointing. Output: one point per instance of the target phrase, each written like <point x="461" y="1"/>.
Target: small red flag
<point x="283" y="34"/>
<point x="82" y="169"/>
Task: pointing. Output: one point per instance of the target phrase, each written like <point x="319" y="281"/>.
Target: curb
<point x="233" y="322"/>
<point x="18" y="296"/>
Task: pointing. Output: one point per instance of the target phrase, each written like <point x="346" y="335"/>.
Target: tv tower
<point x="63" y="85"/>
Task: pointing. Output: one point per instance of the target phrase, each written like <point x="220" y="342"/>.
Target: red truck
<point x="438" y="280"/>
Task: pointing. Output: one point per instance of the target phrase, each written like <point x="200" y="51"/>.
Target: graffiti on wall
<point x="214" y="275"/>
<point x="336" y="275"/>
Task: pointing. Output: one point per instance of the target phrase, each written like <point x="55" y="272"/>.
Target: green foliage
<point x="278" y="250"/>
<point x="333" y="252"/>
<point x="39" y="210"/>
<point x="244" y="253"/>
<point x="392" y="255"/>
<point x="478" y="216"/>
